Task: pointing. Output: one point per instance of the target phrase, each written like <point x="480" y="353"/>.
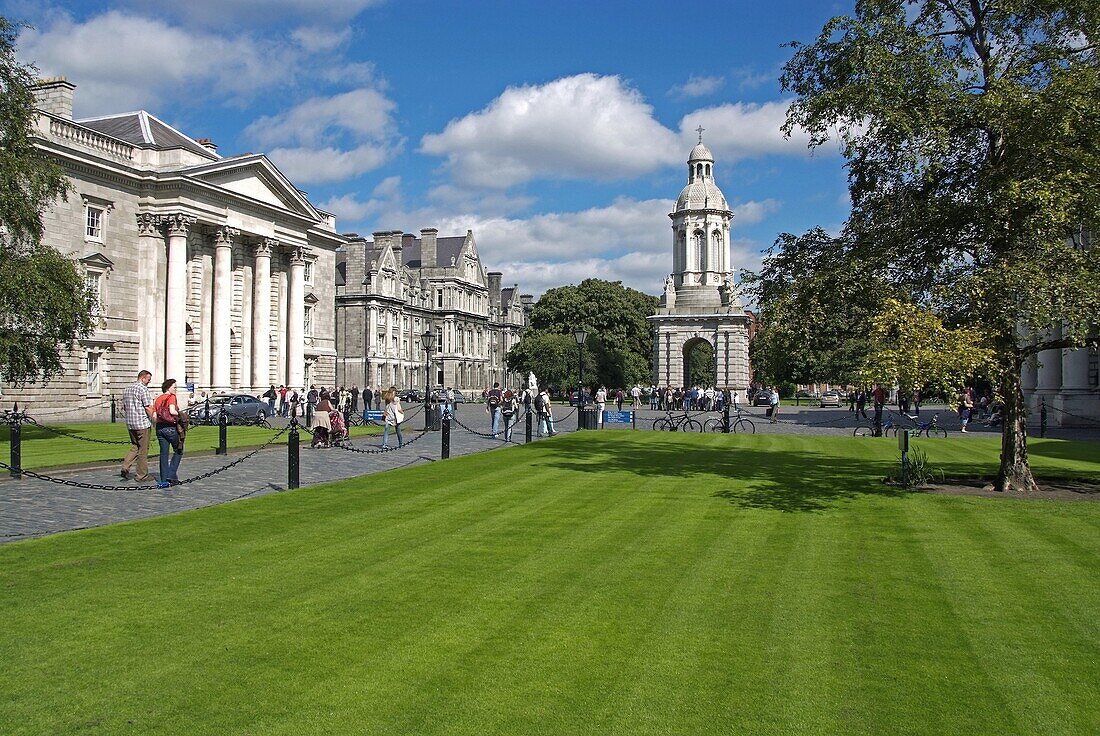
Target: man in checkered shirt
<point x="137" y="407"/>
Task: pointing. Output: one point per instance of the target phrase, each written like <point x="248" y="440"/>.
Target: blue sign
<point x="371" y="415"/>
<point x="618" y="417"/>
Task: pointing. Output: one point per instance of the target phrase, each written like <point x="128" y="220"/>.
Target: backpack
<point x="494" y="398"/>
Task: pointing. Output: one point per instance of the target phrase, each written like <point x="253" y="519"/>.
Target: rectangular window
<point x="94" y="226"/>
<point x="439" y="299"/>
<point x="405" y="348"/>
<point x="93" y="285"/>
<point x="92" y="368"/>
<point x="307" y="327"/>
<point x="307" y="272"/>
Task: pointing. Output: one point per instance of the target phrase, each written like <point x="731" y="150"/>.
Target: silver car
<point x="238" y="409"/>
<point x="830" y="398"/>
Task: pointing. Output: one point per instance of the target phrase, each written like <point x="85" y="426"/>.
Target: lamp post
<point x="580" y="335"/>
<point x="427" y="341"/>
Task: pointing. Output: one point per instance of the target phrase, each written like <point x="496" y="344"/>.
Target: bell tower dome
<point x="700" y="235"/>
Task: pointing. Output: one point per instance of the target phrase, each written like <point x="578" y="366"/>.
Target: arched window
<point x="699" y="170"/>
<point x="708" y="170"/>
<point x="716" y="249"/>
<point x="700" y="241"/>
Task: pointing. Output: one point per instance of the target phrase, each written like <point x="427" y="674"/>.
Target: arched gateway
<point x="700" y="305"/>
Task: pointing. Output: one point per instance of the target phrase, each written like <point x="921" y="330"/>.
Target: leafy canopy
<point x="43" y="302"/>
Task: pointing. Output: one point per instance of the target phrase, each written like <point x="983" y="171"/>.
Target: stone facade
<point x="1067" y="382"/>
<point x="213" y="271"/>
<point x="700" y="303"/>
<point x="391" y="289"/>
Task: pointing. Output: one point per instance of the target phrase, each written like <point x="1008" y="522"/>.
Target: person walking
<point x="601" y="402"/>
<point x="966" y="407"/>
<point x="354" y="399"/>
<point x="320" y="424"/>
<point x="312" y="397"/>
<point x="861" y="404"/>
<point x="270" y="395"/>
<point x="167" y="413"/>
<point x="879" y="395"/>
<point x="917" y="396"/>
<point x="773" y="404"/>
<point x="546" y="414"/>
<point x="137" y="407"/>
<point x="619" y="398"/>
<point x="509" y="408"/>
<point x="394" y="416"/>
<point x="493" y="399"/>
<point x="283" y="406"/>
<point x="636" y="397"/>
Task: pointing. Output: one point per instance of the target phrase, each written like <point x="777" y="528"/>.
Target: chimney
<point x="209" y="145"/>
<point x="54" y="95"/>
<point x="427" y="247"/>
<point x="355" y="259"/>
<point x="494" y="288"/>
<point x="527" y="300"/>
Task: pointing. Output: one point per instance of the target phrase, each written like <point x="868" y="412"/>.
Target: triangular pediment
<point x="97" y="261"/>
<point x="254" y="176"/>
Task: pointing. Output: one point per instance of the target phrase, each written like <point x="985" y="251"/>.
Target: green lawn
<point x="627" y="583"/>
<point x="43" y="449"/>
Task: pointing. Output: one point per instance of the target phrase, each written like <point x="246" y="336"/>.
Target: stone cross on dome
<point x="700" y="130"/>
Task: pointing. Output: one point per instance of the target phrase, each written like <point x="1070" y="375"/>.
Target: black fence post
<point x="292" y="455"/>
<point x="16" y="447"/>
<point x="445" y="435"/>
<point x="206" y="416"/>
<point x="222" y="422"/>
<point x="1043" y="418"/>
<point x="527" y="431"/>
<point x="726" y="418"/>
<point x="114" y="410"/>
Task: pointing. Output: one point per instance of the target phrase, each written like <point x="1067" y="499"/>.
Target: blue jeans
<point x="169" y="437"/>
<point x="509" y="422"/>
<point x="546" y="425"/>
<point x="496" y="420"/>
<point x="386" y="435"/>
<point x="271" y="407"/>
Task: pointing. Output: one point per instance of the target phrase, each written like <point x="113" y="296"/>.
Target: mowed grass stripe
<point x="593" y="583"/>
<point x="1041" y="658"/>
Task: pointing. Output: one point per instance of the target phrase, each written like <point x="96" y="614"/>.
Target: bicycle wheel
<point x="891" y="431"/>
<point x="744" y="425"/>
<point x="864" y="431"/>
<point x="937" y="432"/>
<point x="713" y="425"/>
<point x="662" y="425"/>
<point x="692" y="426"/>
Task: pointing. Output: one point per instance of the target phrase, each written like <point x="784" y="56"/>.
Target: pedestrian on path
<point x="137" y="407"/>
<point x="509" y="408"/>
<point x="493" y="399"/>
<point x="546" y="414"/>
<point x="773" y="404"/>
<point x="166" y="410"/>
<point x="394" y="417"/>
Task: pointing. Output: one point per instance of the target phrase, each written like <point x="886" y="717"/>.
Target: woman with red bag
<point x="167" y="412"/>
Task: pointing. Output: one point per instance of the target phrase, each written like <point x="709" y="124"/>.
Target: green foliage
<point x="970" y="133"/>
<point x="911" y="347"/>
<point x="919" y="470"/>
<point x="43" y="305"/>
<point x="816" y="298"/>
<point x="701" y="364"/>
<point x="619" y="342"/>
<point x="551" y="357"/>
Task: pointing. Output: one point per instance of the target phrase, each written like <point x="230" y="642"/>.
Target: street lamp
<point x="427" y="341"/>
<point x="580" y="335"/>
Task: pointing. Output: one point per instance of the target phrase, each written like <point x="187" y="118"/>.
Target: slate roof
<point x="445" y="250"/>
<point x="144" y="130"/>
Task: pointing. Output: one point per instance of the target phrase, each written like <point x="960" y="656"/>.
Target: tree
<point x="43" y="303"/>
<point x="619" y="341"/>
<point x="551" y="357"/>
<point x="816" y="302"/>
<point x="970" y="136"/>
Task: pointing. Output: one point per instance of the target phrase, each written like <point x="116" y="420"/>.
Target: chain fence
<point x="487" y="435"/>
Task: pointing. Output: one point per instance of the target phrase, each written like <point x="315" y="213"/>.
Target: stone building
<point x="700" y="304"/>
<point x="1067" y="382"/>
<point x="215" y="271"/>
<point x="391" y="289"/>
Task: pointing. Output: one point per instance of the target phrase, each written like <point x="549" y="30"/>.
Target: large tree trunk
<point x="1014" y="475"/>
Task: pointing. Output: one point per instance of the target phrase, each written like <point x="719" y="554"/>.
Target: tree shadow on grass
<point x="1079" y="451"/>
<point x="788" y="480"/>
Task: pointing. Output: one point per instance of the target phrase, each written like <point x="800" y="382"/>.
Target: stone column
<point x="150" y="244"/>
<point x="1075" y="370"/>
<point x="175" y="332"/>
<point x="1050" y="365"/>
<point x="261" y="315"/>
<point x="222" y="308"/>
<point x="295" y="324"/>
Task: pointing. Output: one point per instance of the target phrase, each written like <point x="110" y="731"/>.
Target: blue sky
<point x="556" y="131"/>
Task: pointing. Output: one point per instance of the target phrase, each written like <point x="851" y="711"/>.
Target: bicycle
<point x="682" y="423"/>
<point x="738" y="423"/>
<point x="889" y="429"/>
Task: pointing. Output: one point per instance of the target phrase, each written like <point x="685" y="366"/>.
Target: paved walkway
<point x="30" y="507"/>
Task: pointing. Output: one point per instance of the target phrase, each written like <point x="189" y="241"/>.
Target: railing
<point x="84" y="137"/>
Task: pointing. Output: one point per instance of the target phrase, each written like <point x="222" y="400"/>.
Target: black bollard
<point x="445" y="434"/>
<point x="222" y="450"/>
<point x="206" y="416"/>
<point x="528" y="429"/>
<point x="113" y="410"/>
<point x="1043" y="418"/>
<point x="16" y="451"/>
<point x="292" y="455"/>
<point x="726" y="419"/>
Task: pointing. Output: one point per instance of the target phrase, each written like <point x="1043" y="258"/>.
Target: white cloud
<point x="697" y="86"/>
<point x="269" y="12"/>
<point x="748" y="213"/>
<point x="579" y="127"/>
<point x="334" y="138"/>
<point x="350" y="211"/>
<point x="314" y="39"/>
<point x="741" y="130"/>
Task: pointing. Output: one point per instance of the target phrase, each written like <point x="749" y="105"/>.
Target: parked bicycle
<point x="738" y="423"/>
<point x="674" y="423"/>
<point x="890" y="428"/>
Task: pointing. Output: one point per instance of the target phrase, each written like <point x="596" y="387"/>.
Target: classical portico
<point x="1067" y="382"/>
<point x="700" y="302"/>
